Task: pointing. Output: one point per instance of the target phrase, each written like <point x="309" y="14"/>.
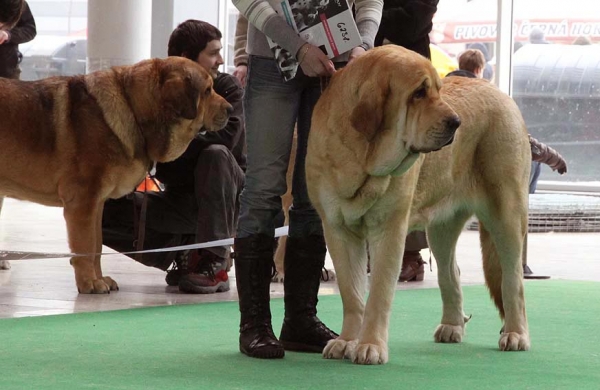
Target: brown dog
<point x="76" y="141"/>
<point x="374" y="174"/>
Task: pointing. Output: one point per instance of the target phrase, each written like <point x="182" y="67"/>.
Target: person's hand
<point x="356" y="52"/>
<point x="314" y="62"/>
<point x="3" y="37"/>
<point x="241" y="71"/>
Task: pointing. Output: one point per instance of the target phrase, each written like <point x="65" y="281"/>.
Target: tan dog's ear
<point x="367" y="116"/>
<point x="180" y="93"/>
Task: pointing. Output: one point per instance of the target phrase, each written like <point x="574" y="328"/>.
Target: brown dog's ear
<point x="180" y="94"/>
<point x="367" y="116"/>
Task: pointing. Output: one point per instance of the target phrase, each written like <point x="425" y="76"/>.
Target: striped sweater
<point x="265" y="22"/>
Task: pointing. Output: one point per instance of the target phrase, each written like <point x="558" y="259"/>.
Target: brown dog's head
<point x="173" y="99"/>
<point x="396" y="105"/>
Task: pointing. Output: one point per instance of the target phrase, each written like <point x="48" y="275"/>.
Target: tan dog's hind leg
<point x="349" y="257"/>
<point x="502" y="242"/>
<point x="442" y="238"/>
<point x="97" y="259"/>
<point x="81" y="219"/>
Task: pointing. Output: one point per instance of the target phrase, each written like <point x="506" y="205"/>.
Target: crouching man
<point x="200" y="201"/>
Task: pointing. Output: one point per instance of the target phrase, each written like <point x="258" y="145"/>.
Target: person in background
<point x="10" y="12"/>
<point x="471" y="63"/>
<point x="488" y="70"/>
<point x="582" y="40"/>
<point x="200" y="202"/>
<point x="407" y="23"/>
<point x="537" y="37"/>
<point x="273" y="107"/>
<point x="10" y="39"/>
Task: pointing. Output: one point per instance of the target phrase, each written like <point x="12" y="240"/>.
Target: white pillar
<point x="119" y="32"/>
<point x="504" y="46"/>
<point x="162" y="26"/>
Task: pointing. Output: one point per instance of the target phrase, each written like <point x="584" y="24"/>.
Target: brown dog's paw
<point x="96" y="286"/>
<point x="513" y="341"/>
<point x="370" y="354"/>
<point x="277" y="278"/>
<point x="449" y="333"/>
<point x="328" y="275"/>
<point x="111" y="283"/>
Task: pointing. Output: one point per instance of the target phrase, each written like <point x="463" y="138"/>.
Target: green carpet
<point x="195" y="347"/>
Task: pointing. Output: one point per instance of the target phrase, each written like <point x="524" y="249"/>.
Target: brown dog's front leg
<point x="81" y="219"/>
<point x="97" y="259"/>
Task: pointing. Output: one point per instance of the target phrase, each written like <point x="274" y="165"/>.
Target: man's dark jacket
<point x="24" y="31"/>
<point x="233" y="136"/>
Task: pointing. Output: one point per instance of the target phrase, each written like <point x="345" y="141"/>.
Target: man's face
<point x="210" y="58"/>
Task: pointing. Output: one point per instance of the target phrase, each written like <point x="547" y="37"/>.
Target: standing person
<point x="407" y="23"/>
<point x="273" y="107"/>
<point x="10" y="39"/>
<point x="10" y="12"/>
<point x="240" y="56"/>
<point x="200" y="202"/>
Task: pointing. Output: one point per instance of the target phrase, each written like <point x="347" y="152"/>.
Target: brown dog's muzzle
<point x="221" y="120"/>
<point x="221" y="116"/>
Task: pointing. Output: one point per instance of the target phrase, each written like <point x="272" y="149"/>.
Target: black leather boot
<point x="253" y="270"/>
<point x="302" y="330"/>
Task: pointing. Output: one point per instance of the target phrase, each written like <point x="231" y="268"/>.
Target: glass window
<point x="556" y="81"/>
<point x="556" y="70"/>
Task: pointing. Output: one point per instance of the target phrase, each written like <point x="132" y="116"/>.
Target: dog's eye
<point x="420" y="93"/>
<point x="208" y="91"/>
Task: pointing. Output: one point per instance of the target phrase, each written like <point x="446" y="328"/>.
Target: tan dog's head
<point x="173" y="99"/>
<point x="396" y="105"/>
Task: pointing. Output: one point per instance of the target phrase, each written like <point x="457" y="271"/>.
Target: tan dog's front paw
<point x="449" y="333"/>
<point x="370" y="354"/>
<point x="513" y="341"/>
<point x="338" y="349"/>
<point x="111" y="283"/>
<point x="96" y="286"/>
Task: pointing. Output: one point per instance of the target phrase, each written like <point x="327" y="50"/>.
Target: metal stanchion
<point x="527" y="272"/>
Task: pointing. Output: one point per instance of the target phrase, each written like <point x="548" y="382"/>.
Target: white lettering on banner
<point x="482" y="31"/>
<point x="587" y="29"/>
<point x="550" y="29"/>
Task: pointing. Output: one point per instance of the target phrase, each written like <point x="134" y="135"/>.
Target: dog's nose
<point x="452" y="123"/>
<point x="229" y="109"/>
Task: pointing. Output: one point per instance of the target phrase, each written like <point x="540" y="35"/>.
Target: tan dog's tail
<point x="491" y="267"/>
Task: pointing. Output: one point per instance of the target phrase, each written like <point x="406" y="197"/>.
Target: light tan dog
<point x="374" y="174"/>
<point x="74" y="142"/>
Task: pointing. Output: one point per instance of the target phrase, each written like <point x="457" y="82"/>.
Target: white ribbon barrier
<point x="17" y="255"/>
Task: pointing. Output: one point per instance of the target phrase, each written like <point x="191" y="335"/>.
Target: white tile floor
<point x="44" y="287"/>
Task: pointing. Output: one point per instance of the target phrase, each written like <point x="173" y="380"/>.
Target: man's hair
<point x="10" y="12"/>
<point x="471" y="60"/>
<point x="191" y="37"/>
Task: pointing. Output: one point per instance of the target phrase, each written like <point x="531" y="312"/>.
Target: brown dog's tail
<point x="491" y="267"/>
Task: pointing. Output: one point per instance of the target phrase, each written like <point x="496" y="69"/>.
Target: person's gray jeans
<point x="272" y="108"/>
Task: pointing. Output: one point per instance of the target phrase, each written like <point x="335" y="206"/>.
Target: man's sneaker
<point x="185" y="262"/>
<point x="207" y="277"/>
